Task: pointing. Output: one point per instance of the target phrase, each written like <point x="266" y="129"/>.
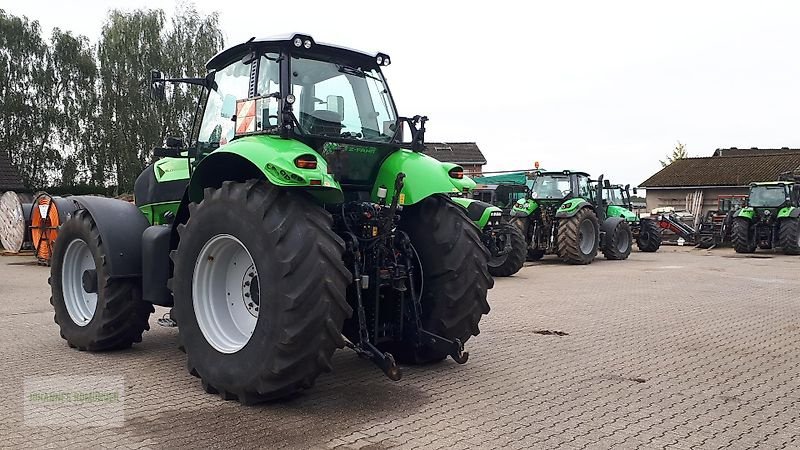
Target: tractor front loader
<point x="296" y="220"/>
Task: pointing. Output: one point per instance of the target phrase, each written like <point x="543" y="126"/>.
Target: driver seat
<point x="324" y="122"/>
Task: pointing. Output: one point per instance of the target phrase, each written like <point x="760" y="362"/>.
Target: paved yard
<point x="682" y="348"/>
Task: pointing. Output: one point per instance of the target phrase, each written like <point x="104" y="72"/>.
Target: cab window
<point x="217" y="127"/>
<point x="584" y="188"/>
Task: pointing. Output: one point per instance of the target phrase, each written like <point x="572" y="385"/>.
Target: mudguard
<point x="479" y="212"/>
<point x="465" y="184"/>
<point x="120" y="225"/>
<point x="571" y="207"/>
<point x="266" y="156"/>
<point x="619" y="211"/>
<point x="746" y="213"/>
<point x="789" y="212"/>
<point x="425" y="176"/>
<point x="524" y="207"/>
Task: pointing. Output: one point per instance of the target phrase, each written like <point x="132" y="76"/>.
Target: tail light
<point x="456" y="172"/>
<point x="306" y="162"/>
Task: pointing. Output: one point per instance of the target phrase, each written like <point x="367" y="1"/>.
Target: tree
<point x="71" y="113"/>
<point x="131" y="45"/>
<point x="679" y="152"/>
<point x="26" y="110"/>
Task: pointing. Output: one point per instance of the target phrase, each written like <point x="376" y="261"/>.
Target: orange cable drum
<point x="44" y="227"/>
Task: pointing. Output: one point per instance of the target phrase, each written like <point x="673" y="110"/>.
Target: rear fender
<point x="571" y="207"/>
<point x="120" y="225"/>
<point x="524" y="207"/>
<point x="424" y="176"/>
<point x="789" y="212"/>
<point x="746" y="213"/>
<point x="265" y="157"/>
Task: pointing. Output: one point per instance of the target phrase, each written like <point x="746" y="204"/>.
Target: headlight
<point x="307" y="44"/>
<point x="298" y="42"/>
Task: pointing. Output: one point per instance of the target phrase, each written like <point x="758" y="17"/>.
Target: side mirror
<point x="157" y="85"/>
<point x="634" y="191"/>
<point x="335" y="104"/>
<point x="174" y="142"/>
<point x="606" y="183"/>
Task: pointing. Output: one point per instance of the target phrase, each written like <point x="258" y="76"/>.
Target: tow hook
<point x="459" y="355"/>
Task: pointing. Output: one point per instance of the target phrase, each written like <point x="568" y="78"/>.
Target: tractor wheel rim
<point x="225" y="293"/>
<point x="81" y="305"/>
<point x="587" y="237"/>
<point x="623" y="242"/>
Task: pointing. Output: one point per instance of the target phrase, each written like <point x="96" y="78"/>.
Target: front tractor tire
<point x="649" y="240"/>
<point x="260" y="291"/>
<point x="455" y="276"/>
<point x="618" y="241"/>
<point x="790" y="235"/>
<point x="511" y="262"/>
<point x="94" y="311"/>
<point x="578" y="237"/>
<point x="743" y="236"/>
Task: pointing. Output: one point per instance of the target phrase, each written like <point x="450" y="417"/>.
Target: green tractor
<point x="295" y="221"/>
<point x="770" y="219"/>
<point x="561" y="217"/>
<point x="505" y="242"/>
<point x="645" y="231"/>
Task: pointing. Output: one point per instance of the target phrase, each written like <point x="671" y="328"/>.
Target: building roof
<point x="755" y="151"/>
<point x="738" y="170"/>
<point x="9" y="177"/>
<point x="455" y="152"/>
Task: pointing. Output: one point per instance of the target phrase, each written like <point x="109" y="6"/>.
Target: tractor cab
<point x="290" y="93"/>
<point x="558" y="186"/>
<point x="772" y="196"/>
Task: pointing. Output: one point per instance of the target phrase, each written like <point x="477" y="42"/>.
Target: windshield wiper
<point x="355" y="71"/>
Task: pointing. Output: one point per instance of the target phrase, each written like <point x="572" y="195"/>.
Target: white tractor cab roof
<point x="295" y="41"/>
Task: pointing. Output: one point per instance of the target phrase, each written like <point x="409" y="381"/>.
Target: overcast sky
<point x="606" y="87"/>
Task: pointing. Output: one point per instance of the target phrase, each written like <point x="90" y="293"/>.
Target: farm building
<point x="465" y="154"/>
<point x="9" y="177"/>
<point x="728" y="171"/>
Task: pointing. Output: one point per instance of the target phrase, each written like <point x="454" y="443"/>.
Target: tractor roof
<point x="227" y="56"/>
<point x="772" y="183"/>
<point x="562" y="172"/>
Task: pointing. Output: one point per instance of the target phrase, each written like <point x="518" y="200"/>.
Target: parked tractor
<point x="646" y="231"/>
<point x="505" y="243"/>
<point x="715" y="228"/>
<point x="297" y="220"/>
<point x="561" y="216"/>
<point x="770" y="219"/>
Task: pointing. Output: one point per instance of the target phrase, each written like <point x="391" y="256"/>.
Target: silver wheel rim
<point x="81" y="305"/>
<point x="587" y="237"/>
<point x="225" y="293"/>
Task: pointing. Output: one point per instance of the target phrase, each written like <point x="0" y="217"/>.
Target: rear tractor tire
<point x="741" y="236"/>
<point x="649" y="239"/>
<point x="94" y="311"/>
<point x="510" y="263"/>
<point x="260" y="291"/>
<point x="455" y="277"/>
<point x="790" y="235"/>
<point x="578" y="237"/>
<point x="619" y="240"/>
